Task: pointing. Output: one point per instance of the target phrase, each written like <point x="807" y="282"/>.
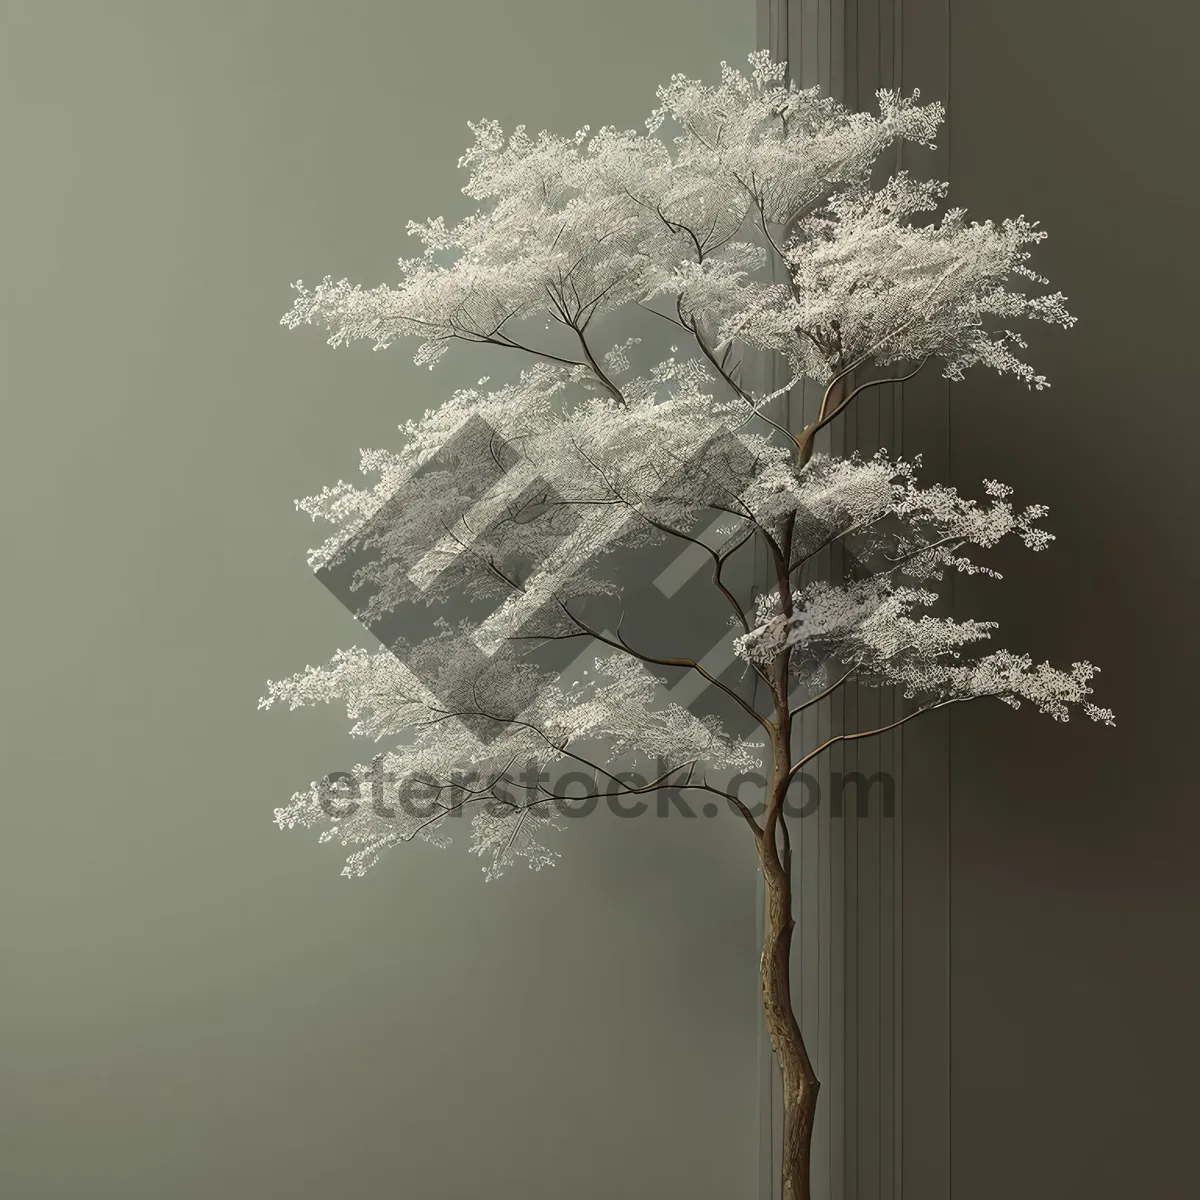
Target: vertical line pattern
<point x="850" y="995"/>
<point x="949" y="733"/>
<point x="898" y="773"/>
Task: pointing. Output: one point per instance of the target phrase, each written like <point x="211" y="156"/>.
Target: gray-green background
<point x="196" y="1004"/>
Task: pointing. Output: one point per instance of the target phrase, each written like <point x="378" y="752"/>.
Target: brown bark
<point x="833" y="401"/>
<point x="800" y="1084"/>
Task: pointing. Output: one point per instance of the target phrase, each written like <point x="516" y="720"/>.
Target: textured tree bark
<point x="800" y="1084"/>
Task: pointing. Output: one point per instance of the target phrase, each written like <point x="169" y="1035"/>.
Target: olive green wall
<point x="195" y="1004"/>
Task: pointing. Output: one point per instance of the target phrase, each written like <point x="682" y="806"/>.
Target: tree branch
<point x="706" y="350"/>
<point x="561" y="748"/>
<point x="691" y="664"/>
<point x="805" y="442"/>
<point x="833" y="687"/>
<point x="853" y="737"/>
<point x="607" y="383"/>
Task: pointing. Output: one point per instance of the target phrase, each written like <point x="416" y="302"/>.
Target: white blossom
<point x="615" y="709"/>
<point x="601" y="457"/>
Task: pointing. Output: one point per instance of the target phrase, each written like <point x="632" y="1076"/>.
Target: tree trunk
<point x="800" y="1085"/>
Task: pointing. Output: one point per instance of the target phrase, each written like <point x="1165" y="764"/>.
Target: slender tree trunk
<point x="800" y="1085"/>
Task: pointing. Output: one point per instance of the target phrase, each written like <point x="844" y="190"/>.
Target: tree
<point x="585" y="454"/>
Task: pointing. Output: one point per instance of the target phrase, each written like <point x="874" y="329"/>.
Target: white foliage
<point x="614" y="707"/>
<point x="578" y="226"/>
<point x="570" y="228"/>
<point x="868" y="624"/>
